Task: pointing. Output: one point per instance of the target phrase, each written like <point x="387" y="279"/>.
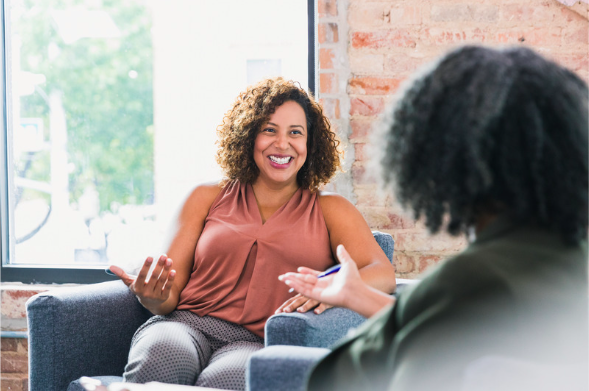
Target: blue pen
<point x="331" y="270"/>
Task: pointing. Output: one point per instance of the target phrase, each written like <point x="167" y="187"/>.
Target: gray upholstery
<point x="282" y="368"/>
<point x="310" y="329"/>
<point x="81" y="331"/>
<point x="87" y="331"/>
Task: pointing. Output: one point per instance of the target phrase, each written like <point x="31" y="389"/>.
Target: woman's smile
<point x="279" y="161"/>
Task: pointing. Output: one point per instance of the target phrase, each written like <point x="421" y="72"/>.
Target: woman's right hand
<point x="152" y="292"/>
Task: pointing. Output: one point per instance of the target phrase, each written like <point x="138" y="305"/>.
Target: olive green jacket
<point x="516" y="291"/>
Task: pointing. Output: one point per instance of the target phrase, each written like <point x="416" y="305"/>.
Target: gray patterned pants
<point x="183" y="348"/>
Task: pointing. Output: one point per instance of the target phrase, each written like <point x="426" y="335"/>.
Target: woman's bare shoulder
<point x="332" y="201"/>
<point x="202" y="197"/>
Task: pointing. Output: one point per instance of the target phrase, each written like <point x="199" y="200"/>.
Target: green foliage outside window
<point x="106" y="90"/>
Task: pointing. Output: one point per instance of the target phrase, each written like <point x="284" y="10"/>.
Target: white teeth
<point x="280" y="160"/>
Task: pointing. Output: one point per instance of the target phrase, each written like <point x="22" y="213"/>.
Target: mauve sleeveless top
<point x="238" y="259"/>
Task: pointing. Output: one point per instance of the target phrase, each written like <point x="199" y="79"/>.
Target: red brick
<point x="533" y="36"/>
<point x="330" y="107"/>
<point x="379" y="218"/>
<point x="366" y="63"/>
<point x="576" y="62"/>
<point x="511" y="37"/>
<point x="373" y="217"/>
<point x="13" y="362"/>
<point x="423" y="241"/>
<point x="369" y="196"/>
<point x="364" y="15"/>
<point x="327" y="33"/>
<point x="527" y="14"/>
<point x="374" y="85"/>
<point x="360" y="152"/>
<point x="326" y="57"/>
<point x="15" y="345"/>
<point x="403" y="263"/>
<point x="366" y="105"/>
<point x="579" y="14"/>
<point x="425" y="262"/>
<point x="360" y="177"/>
<point x="403" y="63"/>
<point x="405" y="15"/>
<point x="579" y="35"/>
<point x="548" y="37"/>
<point x="440" y="36"/>
<point x="9" y="344"/>
<point x="368" y="15"/>
<point x="361" y="128"/>
<point x="383" y="39"/>
<point x="465" y="13"/>
<point x="13" y="302"/>
<point x="14" y="381"/>
<point x="327" y="8"/>
<point x="477" y="35"/>
<point x="398" y="221"/>
<point x="373" y="195"/>
<point x="328" y="83"/>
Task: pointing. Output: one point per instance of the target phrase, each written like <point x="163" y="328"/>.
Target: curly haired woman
<point x="493" y="143"/>
<point x="235" y="237"/>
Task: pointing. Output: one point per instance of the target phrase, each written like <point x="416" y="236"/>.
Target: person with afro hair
<point x="491" y="144"/>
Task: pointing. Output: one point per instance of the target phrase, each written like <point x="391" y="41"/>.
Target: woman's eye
<point x="297" y="132"/>
<point x="270" y="130"/>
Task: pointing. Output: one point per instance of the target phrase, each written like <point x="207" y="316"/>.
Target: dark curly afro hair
<point x="252" y="109"/>
<point x="492" y="131"/>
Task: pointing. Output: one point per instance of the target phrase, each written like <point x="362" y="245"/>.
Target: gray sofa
<point x="87" y="331"/>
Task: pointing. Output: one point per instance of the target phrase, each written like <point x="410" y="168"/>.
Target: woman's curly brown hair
<point x="252" y="109"/>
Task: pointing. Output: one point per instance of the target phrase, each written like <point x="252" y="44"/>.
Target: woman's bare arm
<point x="161" y="292"/>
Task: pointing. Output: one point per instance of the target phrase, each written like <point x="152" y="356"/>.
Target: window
<point x="110" y="112"/>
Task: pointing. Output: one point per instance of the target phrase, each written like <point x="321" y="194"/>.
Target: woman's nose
<point x="282" y="141"/>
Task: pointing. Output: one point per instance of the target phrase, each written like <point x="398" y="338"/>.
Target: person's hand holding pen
<point x="331" y="270"/>
<point x="301" y="303"/>
<point x="342" y="289"/>
<point x="151" y="290"/>
<point x="331" y="289"/>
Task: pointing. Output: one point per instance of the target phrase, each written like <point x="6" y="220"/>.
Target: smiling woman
<point x="217" y="284"/>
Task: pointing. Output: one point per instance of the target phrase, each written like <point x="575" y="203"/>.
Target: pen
<point x="331" y="270"/>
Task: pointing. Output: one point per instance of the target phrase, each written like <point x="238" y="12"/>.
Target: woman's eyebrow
<point x="291" y="126"/>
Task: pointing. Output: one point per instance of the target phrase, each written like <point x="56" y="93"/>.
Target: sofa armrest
<point x="310" y="329"/>
<point x="282" y="368"/>
<point x="80" y="331"/>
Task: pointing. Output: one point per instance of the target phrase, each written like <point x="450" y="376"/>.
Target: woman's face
<point x="280" y="149"/>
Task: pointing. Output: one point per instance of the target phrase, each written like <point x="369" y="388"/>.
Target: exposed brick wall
<point x="368" y="48"/>
<point x="14" y="366"/>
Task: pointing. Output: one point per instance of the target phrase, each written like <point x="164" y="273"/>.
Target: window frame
<point x="48" y="275"/>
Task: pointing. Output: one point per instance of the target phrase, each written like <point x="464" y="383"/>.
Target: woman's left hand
<point x="301" y="303"/>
